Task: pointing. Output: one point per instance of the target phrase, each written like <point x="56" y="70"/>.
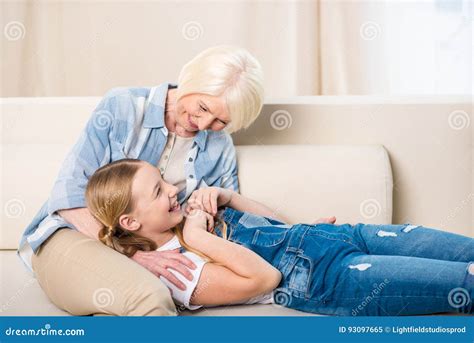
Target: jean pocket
<point x="251" y="220"/>
<point x="334" y="235"/>
<point x="300" y="275"/>
<point x="269" y="238"/>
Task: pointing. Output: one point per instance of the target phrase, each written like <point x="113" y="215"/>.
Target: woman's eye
<point x="158" y="192"/>
<point x="202" y="109"/>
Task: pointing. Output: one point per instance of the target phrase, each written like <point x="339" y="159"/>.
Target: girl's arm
<point x="243" y="204"/>
<point x="210" y="198"/>
<point x="237" y="273"/>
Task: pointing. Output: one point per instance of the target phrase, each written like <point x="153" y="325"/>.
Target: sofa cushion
<point x="306" y="182"/>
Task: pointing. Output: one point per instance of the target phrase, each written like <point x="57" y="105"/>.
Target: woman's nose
<point x="205" y="121"/>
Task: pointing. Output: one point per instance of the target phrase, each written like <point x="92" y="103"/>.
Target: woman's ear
<point x="129" y="223"/>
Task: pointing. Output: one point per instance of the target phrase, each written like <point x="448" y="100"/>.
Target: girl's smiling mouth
<point x="175" y="207"/>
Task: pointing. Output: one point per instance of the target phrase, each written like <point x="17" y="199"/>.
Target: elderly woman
<point x="183" y="130"/>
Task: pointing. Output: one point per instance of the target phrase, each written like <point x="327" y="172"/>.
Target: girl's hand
<point x="198" y="220"/>
<point x="209" y="199"/>
<point x="330" y="220"/>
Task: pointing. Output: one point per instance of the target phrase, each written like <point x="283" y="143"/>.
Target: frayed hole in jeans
<point x="470" y="268"/>
<point x="361" y="266"/>
<point x="408" y="228"/>
<point x="382" y="233"/>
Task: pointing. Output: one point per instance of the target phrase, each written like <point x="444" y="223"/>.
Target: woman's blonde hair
<point x="109" y="195"/>
<point x="228" y="72"/>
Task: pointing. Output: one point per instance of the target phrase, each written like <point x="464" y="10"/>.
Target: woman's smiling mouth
<point x="194" y="126"/>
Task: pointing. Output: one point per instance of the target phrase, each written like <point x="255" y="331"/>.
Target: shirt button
<point x="166" y="157"/>
<point x="161" y="169"/>
<point x="169" y="146"/>
<point x="190" y="159"/>
<point x="191" y="176"/>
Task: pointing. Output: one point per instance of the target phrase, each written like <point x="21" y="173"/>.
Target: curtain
<point x="82" y="48"/>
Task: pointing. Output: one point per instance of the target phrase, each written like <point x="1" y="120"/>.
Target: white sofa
<point x="302" y="181"/>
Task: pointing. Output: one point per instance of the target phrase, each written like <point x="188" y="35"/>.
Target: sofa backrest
<point x="429" y="140"/>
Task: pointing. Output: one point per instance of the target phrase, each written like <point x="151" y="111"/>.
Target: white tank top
<point x="182" y="298"/>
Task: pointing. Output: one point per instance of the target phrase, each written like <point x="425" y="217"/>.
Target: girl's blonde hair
<point x="109" y="195"/>
<point x="229" y="72"/>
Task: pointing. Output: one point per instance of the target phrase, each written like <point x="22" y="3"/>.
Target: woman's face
<point x="156" y="208"/>
<point x="196" y="112"/>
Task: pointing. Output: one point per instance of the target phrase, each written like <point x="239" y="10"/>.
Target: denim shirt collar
<point x="201" y="139"/>
<point x="154" y="116"/>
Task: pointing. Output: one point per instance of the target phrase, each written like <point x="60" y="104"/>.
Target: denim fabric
<point x="361" y="269"/>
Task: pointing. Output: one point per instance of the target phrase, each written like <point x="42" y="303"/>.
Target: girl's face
<point x="196" y="112"/>
<point x="156" y="208"/>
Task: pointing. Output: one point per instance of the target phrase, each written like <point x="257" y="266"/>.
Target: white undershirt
<point x="171" y="163"/>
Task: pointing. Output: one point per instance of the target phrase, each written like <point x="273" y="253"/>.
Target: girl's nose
<point x="173" y="191"/>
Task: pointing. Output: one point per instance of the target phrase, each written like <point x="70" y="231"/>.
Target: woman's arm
<point x="82" y="220"/>
<point x="156" y="262"/>
<point x="237" y="274"/>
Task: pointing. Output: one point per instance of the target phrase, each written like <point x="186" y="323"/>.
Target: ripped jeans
<point x="361" y="269"/>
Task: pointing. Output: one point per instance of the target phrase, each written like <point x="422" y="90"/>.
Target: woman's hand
<point x="209" y="199"/>
<point x="158" y="262"/>
<point x="330" y="220"/>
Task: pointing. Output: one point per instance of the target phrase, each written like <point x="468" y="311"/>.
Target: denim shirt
<point x="128" y="123"/>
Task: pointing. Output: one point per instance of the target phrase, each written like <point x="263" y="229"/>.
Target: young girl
<point x="324" y="268"/>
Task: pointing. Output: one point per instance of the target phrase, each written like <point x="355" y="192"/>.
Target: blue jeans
<point x="361" y="269"/>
